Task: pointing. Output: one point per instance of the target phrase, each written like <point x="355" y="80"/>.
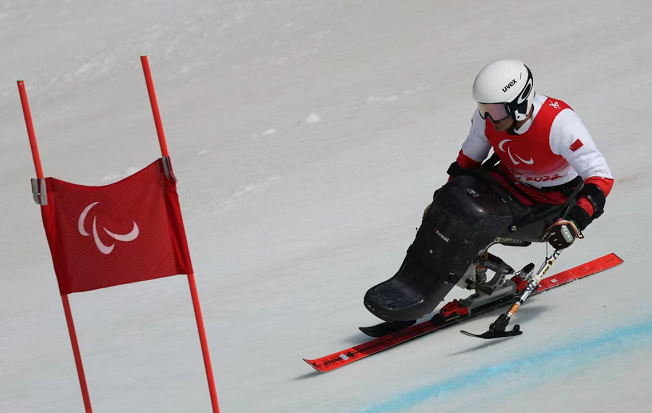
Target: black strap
<point x="573" y="197"/>
<point x="490" y="165"/>
<point x="596" y="197"/>
<point x="570" y="189"/>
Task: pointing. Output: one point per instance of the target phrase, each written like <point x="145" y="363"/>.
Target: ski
<point x="360" y="351"/>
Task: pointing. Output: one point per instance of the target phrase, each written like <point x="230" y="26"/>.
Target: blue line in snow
<point x="544" y="366"/>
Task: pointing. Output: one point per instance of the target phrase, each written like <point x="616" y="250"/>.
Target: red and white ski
<point x="350" y="355"/>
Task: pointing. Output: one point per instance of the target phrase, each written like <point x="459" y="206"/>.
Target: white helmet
<point x="504" y="88"/>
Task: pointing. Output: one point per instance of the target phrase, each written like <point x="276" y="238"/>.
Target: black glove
<point x="562" y="234"/>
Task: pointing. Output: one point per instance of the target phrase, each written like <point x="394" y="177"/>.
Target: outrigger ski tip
<point x="491" y="334"/>
<point x="497" y="328"/>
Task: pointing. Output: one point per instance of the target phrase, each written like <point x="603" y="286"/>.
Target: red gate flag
<point x="128" y="231"/>
<point x="121" y="233"/>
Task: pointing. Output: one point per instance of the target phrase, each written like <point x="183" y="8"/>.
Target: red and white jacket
<point x="550" y="149"/>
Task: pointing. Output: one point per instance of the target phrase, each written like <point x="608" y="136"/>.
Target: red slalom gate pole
<point x="77" y="353"/>
<point x="30" y="129"/>
<point x="204" y="342"/>
<point x="64" y="298"/>
<point x="154" y="103"/>
<point x="191" y="276"/>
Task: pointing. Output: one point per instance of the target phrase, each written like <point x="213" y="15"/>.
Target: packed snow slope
<point x="308" y="136"/>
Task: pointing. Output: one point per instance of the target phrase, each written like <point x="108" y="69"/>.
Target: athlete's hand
<point x="562" y="234"/>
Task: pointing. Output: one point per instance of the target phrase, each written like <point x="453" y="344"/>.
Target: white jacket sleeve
<point x="476" y="146"/>
<point x="570" y="139"/>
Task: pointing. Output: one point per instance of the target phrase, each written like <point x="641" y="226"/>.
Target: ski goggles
<point x="496" y="111"/>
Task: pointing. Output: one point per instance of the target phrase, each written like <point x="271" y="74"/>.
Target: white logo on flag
<point x="104" y="249"/>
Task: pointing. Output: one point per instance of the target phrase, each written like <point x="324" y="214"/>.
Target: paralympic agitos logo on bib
<point x="512" y="156"/>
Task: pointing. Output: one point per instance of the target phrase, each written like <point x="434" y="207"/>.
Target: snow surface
<point x="308" y="136"/>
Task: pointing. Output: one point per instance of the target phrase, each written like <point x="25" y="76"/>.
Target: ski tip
<point x="490" y="334"/>
<point x="618" y="260"/>
<point x="313" y="364"/>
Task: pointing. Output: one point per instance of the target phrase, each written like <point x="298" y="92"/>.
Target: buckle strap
<point x="167" y="168"/>
<point x="39" y="191"/>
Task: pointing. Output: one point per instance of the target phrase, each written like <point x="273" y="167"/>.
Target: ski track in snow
<point x="527" y="371"/>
